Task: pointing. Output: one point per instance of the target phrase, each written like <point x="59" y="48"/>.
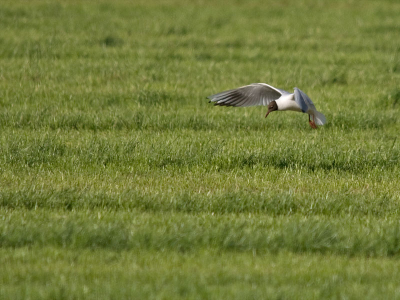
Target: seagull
<point x="276" y="99"/>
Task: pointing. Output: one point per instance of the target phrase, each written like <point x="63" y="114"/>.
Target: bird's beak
<point x="267" y="114"/>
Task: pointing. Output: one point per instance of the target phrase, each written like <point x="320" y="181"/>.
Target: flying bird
<point x="276" y="99"/>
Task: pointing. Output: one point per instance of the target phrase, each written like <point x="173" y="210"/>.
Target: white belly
<point x="287" y="102"/>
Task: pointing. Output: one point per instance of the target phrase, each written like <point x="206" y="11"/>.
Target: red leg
<point x="312" y="123"/>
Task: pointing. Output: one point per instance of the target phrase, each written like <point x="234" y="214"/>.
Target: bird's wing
<point x="248" y="95"/>
<point x="303" y="100"/>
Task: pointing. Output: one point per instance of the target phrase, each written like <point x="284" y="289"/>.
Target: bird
<point x="276" y="99"/>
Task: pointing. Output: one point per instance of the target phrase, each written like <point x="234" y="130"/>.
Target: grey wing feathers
<point x="303" y="100"/>
<point x="248" y="95"/>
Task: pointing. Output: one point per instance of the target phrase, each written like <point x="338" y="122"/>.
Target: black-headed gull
<point x="276" y="99"/>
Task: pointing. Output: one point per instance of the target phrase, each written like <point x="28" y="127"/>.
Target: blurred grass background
<point x="119" y="180"/>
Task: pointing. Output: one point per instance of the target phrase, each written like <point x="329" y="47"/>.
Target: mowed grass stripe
<point x="268" y="203"/>
<point x="235" y="275"/>
<point x="180" y="232"/>
<point x="351" y="152"/>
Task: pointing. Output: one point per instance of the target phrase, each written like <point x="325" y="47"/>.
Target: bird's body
<point x="286" y="102"/>
<point x="267" y="95"/>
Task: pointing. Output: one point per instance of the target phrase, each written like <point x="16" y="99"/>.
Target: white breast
<point x="286" y="102"/>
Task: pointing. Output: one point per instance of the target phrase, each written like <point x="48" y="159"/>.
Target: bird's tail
<point x="319" y="118"/>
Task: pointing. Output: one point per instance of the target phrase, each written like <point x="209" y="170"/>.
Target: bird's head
<point x="271" y="107"/>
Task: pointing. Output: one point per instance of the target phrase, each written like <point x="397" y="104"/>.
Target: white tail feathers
<point x="319" y="118"/>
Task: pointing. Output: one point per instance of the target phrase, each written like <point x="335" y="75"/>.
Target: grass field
<point x="119" y="180"/>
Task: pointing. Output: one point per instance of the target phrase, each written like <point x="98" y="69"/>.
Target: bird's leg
<point x="312" y="123"/>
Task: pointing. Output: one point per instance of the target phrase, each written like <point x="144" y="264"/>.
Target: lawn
<point x="120" y="181"/>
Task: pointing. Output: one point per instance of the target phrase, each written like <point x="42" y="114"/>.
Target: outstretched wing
<point x="248" y="95"/>
<point x="303" y="100"/>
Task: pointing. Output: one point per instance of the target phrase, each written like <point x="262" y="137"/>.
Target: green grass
<point x="53" y="273"/>
<point x="119" y="180"/>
